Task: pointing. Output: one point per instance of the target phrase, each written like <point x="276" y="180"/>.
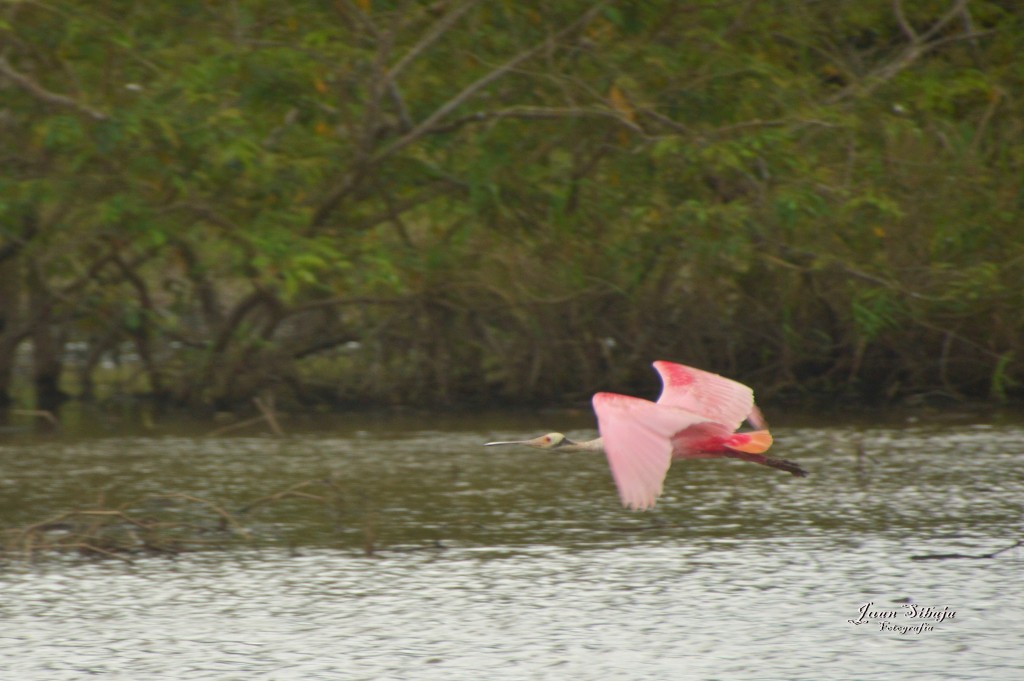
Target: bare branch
<point x="981" y="556"/>
<point x="429" y="38"/>
<point x="908" y="30"/>
<point x="537" y="112"/>
<point x="994" y="99"/>
<point x="41" y="413"/>
<point x="44" y="95"/>
<point x="354" y="13"/>
<point x="427" y="125"/>
<point x="955" y="11"/>
<point x="918" y="46"/>
<point x="266" y="407"/>
<point x="668" y="122"/>
<point x="356" y="175"/>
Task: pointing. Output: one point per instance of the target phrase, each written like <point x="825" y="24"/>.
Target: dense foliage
<point x="421" y="202"/>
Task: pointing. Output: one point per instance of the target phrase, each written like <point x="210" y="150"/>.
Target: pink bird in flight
<point x="696" y="417"/>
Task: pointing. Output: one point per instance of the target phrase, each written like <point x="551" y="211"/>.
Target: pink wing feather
<point x="714" y="397"/>
<point x="637" y="436"/>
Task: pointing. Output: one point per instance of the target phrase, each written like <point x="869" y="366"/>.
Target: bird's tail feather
<point x="753" y="442"/>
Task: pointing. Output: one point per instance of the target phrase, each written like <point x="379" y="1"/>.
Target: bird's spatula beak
<point x="529" y="443"/>
<point x="549" y="441"/>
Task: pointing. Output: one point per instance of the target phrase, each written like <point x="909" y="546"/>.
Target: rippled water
<point x="424" y="556"/>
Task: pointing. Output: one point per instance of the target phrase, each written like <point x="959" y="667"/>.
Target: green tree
<point x="464" y="201"/>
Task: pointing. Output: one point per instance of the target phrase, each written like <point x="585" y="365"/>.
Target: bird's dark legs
<point x="781" y="464"/>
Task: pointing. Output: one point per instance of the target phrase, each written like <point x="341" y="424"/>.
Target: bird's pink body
<point x="695" y="417"/>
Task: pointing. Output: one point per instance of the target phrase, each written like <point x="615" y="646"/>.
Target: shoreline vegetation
<point x="462" y="204"/>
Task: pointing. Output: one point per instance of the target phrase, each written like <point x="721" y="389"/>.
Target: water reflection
<point x="417" y="554"/>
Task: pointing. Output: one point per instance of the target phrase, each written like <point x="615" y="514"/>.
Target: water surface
<point x="416" y="554"/>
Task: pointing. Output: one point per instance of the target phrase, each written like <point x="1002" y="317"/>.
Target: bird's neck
<point x="595" y="445"/>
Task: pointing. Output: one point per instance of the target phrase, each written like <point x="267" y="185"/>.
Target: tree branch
<point x="429" y="123"/>
<point x="536" y="113"/>
<point x="355" y="176"/>
<point x="918" y="46"/>
<point x="429" y="38"/>
<point x="982" y="556"/>
<point x="44" y="95"/>
<point x="908" y="30"/>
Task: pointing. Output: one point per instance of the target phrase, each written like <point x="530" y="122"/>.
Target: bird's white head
<point x="549" y="441"/>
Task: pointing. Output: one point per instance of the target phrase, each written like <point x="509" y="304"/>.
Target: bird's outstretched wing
<point x="714" y="397"/>
<point x="637" y="436"/>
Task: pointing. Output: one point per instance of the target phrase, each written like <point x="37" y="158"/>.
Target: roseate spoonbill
<point x="696" y="417"/>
